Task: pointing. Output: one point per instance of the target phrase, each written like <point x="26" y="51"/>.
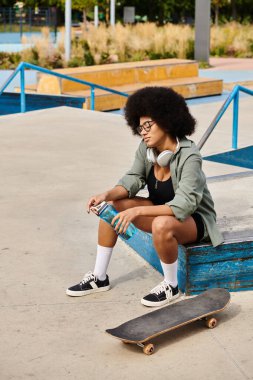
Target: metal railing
<point x="233" y="96"/>
<point x="24" y="65"/>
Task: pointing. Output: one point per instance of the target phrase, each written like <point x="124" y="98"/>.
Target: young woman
<point x="179" y="209"/>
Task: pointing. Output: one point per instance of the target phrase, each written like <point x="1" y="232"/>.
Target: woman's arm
<point x="153" y="210"/>
<point x="124" y="218"/>
<point x="128" y="185"/>
<point x="189" y="192"/>
<point x="117" y="192"/>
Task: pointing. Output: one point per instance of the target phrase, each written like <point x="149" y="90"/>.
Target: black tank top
<point x="160" y="192"/>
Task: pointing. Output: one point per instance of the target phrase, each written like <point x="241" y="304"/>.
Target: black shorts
<point x="200" y="226"/>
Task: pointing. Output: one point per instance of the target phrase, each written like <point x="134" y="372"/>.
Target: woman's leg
<point x="107" y="236"/>
<point x="167" y="232"/>
<point x="98" y="281"/>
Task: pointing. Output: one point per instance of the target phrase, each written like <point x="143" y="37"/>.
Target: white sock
<point x="102" y="261"/>
<point x="170" y="273"/>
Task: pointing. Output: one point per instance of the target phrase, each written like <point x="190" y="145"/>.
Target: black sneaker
<point x="160" y="295"/>
<point x="89" y="284"/>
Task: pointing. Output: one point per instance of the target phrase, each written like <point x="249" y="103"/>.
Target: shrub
<point x="232" y="39"/>
<point x="9" y="60"/>
<point x="132" y="43"/>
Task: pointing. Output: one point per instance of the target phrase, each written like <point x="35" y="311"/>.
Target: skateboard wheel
<point x="149" y="349"/>
<point x="211" y="323"/>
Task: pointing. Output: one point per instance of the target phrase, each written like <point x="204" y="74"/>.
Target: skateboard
<point x="141" y="330"/>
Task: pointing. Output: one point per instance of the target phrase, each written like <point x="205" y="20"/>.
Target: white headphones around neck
<point x="163" y="159"/>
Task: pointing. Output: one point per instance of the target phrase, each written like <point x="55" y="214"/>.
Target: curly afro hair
<point x="163" y="105"/>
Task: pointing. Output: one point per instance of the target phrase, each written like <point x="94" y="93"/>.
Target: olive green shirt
<point x="189" y="183"/>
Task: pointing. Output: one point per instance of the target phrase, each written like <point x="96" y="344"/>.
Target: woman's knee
<point x="163" y="226"/>
<point x="121" y="204"/>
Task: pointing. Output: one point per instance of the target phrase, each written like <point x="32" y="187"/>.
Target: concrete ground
<point x="240" y="64"/>
<point x="232" y="70"/>
<point x="51" y="162"/>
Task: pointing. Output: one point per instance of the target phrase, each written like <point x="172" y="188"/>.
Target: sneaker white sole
<point x="87" y="292"/>
<point x="161" y="303"/>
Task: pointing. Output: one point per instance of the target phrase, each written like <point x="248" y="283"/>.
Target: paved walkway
<point x="232" y="70"/>
<point x="239" y="64"/>
<point x="51" y="162"/>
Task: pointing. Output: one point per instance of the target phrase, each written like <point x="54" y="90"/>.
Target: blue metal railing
<point x="24" y="65"/>
<point x="233" y="96"/>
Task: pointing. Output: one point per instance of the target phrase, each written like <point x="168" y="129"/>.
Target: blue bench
<point x="202" y="266"/>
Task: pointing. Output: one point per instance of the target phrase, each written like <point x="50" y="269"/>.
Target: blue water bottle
<point x="107" y="212"/>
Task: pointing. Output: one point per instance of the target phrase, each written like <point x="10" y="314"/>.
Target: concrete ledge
<point x="187" y="87"/>
<point x="119" y="74"/>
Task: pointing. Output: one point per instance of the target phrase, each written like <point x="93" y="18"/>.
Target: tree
<point x="42" y="3"/>
<point x="234" y="11"/>
<point x="217" y="4"/>
<point x="7" y="3"/>
<point x="162" y="11"/>
<point x="156" y="10"/>
<point x="82" y="6"/>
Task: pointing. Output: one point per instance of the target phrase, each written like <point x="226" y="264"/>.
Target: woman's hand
<point x="95" y="200"/>
<point x="122" y="220"/>
<point x="117" y="192"/>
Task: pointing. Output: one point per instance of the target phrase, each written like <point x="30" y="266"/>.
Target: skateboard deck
<point x="140" y="330"/>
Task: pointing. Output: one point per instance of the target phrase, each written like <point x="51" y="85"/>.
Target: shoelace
<point x="162" y="287"/>
<point x="88" y="276"/>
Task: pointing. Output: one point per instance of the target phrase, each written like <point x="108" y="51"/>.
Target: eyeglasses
<point x="146" y="126"/>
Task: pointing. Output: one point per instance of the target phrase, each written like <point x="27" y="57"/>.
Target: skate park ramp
<point x="241" y="157"/>
<point x="52" y="161"/>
